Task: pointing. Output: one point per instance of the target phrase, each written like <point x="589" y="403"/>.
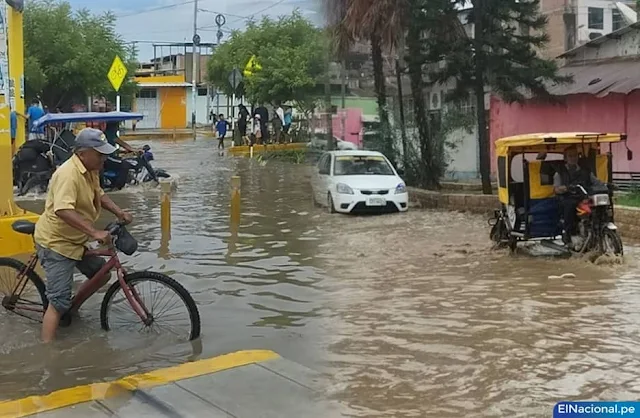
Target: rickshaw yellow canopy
<point x="554" y="140"/>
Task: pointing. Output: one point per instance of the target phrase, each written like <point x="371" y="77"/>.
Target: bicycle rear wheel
<point x="171" y="307"/>
<point x="20" y="293"/>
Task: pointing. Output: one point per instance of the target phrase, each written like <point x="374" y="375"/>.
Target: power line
<point x="154" y="9"/>
<point x="238" y="17"/>
<point x="221" y="13"/>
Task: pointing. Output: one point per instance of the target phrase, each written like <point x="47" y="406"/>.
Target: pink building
<point x="605" y="97"/>
<point x="352" y="131"/>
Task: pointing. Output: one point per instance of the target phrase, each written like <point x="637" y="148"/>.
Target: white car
<point x="319" y="141"/>
<point x="358" y="181"/>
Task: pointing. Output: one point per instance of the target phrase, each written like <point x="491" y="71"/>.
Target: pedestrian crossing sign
<point x="252" y="66"/>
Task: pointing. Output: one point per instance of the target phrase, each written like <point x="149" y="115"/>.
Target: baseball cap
<point x="94" y="138"/>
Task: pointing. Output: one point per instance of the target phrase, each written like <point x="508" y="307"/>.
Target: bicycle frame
<point x="92" y="285"/>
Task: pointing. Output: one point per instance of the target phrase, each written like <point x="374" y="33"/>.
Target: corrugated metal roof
<point x="600" y="79"/>
<point x="602" y="39"/>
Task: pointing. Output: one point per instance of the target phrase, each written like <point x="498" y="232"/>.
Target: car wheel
<point x="332" y="208"/>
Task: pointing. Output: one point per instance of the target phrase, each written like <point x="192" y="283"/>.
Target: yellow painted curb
<point x="99" y="391"/>
<point x="245" y="150"/>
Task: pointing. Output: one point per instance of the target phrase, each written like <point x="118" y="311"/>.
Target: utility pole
<point x="194" y="88"/>
<point x="343" y="92"/>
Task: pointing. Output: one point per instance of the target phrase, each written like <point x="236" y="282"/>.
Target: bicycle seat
<point x="24" y="227"/>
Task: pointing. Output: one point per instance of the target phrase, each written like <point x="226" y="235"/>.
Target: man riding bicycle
<point x="73" y="205"/>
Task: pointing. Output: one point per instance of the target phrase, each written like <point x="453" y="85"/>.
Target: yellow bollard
<point x="165" y="207"/>
<point x="235" y="200"/>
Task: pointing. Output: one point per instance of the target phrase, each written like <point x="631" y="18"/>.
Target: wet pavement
<point x="412" y="314"/>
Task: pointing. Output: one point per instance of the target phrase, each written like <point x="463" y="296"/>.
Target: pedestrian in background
<point x="221" y="127"/>
<point x="288" y="118"/>
<point x="243" y="116"/>
<point x="278" y="122"/>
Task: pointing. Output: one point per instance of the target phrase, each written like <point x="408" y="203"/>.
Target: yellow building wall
<point x="173" y="107"/>
<point x="172" y="100"/>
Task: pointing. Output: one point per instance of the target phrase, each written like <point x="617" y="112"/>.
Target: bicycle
<point x="19" y="300"/>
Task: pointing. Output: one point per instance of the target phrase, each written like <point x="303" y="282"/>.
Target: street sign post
<point x="116" y="76"/>
<point x="235" y="78"/>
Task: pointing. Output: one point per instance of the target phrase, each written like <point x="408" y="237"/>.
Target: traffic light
<point x="16" y="4"/>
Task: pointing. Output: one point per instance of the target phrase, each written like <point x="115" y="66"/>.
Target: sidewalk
<point x="245" y="384"/>
<point x="130" y="135"/>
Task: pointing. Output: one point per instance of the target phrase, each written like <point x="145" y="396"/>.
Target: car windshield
<point x="354" y="165"/>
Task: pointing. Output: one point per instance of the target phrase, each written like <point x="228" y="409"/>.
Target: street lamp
<point x="16" y="4"/>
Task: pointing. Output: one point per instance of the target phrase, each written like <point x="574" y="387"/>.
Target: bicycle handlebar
<point x="113" y="227"/>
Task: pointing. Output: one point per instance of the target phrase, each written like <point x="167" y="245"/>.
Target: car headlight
<point x="344" y="189"/>
<point x="401" y="188"/>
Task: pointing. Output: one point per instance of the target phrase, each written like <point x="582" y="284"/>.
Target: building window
<point x="617" y="21"/>
<point x="147" y="94"/>
<point x="596" y="18"/>
<point x="202" y="92"/>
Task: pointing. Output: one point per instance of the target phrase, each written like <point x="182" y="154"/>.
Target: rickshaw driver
<point x="114" y="162"/>
<point x="571" y="174"/>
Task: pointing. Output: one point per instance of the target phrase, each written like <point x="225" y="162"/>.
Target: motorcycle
<point x="141" y="171"/>
<point x="595" y="229"/>
<point x="36" y="161"/>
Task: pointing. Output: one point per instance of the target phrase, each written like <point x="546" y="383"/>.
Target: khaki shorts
<point x="59" y="271"/>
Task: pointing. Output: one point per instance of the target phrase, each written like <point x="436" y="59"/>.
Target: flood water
<point x="257" y="287"/>
<point x="430" y="322"/>
<point x="412" y="315"/>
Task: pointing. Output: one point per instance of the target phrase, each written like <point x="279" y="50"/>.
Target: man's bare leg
<point x="50" y="324"/>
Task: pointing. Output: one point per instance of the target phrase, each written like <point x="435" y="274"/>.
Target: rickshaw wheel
<point x="513" y="244"/>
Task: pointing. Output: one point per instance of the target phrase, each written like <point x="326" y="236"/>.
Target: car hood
<point x="370" y="182"/>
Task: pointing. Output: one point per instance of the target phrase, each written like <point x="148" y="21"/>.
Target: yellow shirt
<point x="71" y="187"/>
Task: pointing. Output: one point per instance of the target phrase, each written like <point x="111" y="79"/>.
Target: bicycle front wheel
<point x="171" y="308"/>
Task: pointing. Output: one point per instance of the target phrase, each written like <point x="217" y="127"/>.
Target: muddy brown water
<point x="430" y="322"/>
<point x="411" y="315"/>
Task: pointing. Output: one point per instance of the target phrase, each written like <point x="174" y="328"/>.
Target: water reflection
<point x="256" y="283"/>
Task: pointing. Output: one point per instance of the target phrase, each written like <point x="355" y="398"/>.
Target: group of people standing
<point x="281" y="123"/>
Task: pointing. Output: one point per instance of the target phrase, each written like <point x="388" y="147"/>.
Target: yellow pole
<point x="16" y="69"/>
<point x="165" y="207"/>
<point x="235" y="199"/>
<point x="11" y="243"/>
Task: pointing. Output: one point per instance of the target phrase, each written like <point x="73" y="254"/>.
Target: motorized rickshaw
<point x="530" y="209"/>
<point x="36" y="160"/>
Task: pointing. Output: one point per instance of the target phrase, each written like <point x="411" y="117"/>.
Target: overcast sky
<point x="175" y="24"/>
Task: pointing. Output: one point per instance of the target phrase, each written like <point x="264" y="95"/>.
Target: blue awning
<point x="86" y="117"/>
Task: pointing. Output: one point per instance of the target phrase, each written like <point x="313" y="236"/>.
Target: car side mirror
<point x="629" y="155"/>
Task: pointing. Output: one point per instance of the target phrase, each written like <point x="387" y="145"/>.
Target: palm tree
<point x="382" y="23"/>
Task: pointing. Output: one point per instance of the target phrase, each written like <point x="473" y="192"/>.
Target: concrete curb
<point x="627" y="218"/>
<point x="130" y="384"/>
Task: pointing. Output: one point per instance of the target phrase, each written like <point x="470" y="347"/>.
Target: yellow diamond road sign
<point x="117" y="73"/>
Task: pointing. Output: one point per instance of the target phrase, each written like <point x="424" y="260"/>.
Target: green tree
<point x="501" y="56"/>
<point x="290" y="51"/>
<point x="68" y="54"/>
